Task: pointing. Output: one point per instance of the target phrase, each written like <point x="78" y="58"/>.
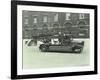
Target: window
<point x="56" y="18"/>
<point x="35" y="20"/>
<point x="26" y="21"/>
<point x="81" y="16"/>
<point x="67" y="16"/>
<point x="45" y="19"/>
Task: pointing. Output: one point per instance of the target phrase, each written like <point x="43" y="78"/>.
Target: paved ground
<point x="33" y="58"/>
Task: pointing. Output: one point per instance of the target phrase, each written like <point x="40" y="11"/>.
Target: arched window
<point x="81" y="23"/>
<point x="55" y="25"/>
<point x="34" y="26"/>
<point x="44" y="26"/>
<point x="68" y="24"/>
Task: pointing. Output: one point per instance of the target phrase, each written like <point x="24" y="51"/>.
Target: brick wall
<point x="79" y="28"/>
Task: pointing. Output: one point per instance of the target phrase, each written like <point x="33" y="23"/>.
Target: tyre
<point x="43" y="48"/>
<point x="77" y="50"/>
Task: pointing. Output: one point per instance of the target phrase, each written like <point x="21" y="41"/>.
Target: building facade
<point x="35" y="23"/>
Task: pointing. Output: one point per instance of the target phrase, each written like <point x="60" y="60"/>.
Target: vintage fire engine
<point x="61" y="43"/>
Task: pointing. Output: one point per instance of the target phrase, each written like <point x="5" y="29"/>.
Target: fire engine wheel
<point x="77" y="50"/>
<point x="43" y="48"/>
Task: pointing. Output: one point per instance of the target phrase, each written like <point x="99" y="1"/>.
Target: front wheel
<point x="43" y="48"/>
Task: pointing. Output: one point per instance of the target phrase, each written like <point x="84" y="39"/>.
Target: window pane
<point x="26" y="21"/>
<point x="81" y="16"/>
<point x="45" y="19"/>
<point x="56" y="17"/>
<point x="67" y="16"/>
<point x="35" y="20"/>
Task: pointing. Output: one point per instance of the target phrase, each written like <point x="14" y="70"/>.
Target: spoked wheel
<point x="77" y="50"/>
<point x="43" y="48"/>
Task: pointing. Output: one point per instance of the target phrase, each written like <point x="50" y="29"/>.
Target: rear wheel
<point x="77" y="50"/>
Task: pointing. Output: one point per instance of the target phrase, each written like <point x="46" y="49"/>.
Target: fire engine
<point x="61" y="43"/>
